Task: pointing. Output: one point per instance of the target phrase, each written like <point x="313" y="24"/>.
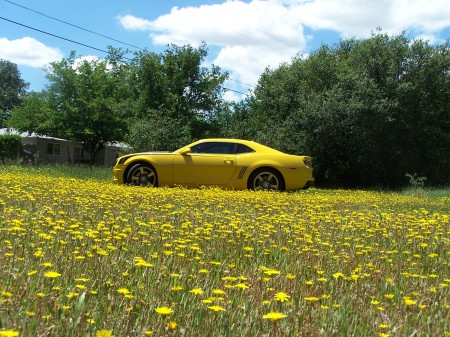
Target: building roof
<point x="11" y="131"/>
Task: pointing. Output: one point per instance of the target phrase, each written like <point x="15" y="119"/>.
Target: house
<point x="53" y="150"/>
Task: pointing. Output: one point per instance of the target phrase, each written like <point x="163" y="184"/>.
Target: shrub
<point x="10" y="147"/>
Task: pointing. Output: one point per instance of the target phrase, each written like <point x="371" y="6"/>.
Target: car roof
<point x="250" y="143"/>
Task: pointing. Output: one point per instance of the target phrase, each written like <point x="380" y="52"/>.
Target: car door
<point x="208" y="163"/>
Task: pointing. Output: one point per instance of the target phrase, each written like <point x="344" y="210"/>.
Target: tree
<point x="12" y="89"/>
<point x="369" y="111"/>
<point x="80" y="104"/>
<point x="173" y="88"/>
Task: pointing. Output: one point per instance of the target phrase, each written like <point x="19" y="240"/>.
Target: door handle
<point x="228" y="161"/>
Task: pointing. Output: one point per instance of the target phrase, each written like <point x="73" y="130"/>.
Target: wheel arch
<point x="264" y="167"/>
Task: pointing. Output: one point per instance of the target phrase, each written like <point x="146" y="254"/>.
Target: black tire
<point x="142" y="175"/>
<point x="266" y="179"/>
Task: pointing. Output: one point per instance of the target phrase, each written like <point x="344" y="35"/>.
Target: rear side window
<point x="241" y="148"/>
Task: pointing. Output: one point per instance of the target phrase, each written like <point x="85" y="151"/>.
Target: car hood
<point x="122" y="159"/>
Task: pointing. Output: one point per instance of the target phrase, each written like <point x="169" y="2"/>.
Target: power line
<point x="236" y="91"/>
<point x="249" y="85"/>
<point x="70" y="24"/>
<point x="85" y="45"/>
<point x="92" y="32"/>
<point x="59" y="37"/>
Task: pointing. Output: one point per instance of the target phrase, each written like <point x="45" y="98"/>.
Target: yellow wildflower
<point x="274" y="316"/>
<point x="164" y="311"/>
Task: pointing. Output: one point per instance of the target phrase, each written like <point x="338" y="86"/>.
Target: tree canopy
<point x="79" y="104"/>
<point x="174" y="97"/>
<point x="12" y="89"/>
<point x="369" y="111"/>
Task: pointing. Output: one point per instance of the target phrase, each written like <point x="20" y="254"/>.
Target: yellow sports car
<point x="230" y="163"/>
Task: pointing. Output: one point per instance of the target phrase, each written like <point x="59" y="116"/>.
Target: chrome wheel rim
<point x="266" y="181"/>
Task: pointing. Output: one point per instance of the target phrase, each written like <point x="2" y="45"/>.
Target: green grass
<point x="98" y="173"/>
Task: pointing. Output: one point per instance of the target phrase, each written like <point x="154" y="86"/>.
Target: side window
<point x="54" y="149"/>
<point x="241" y="148"/>
<point x="214" y="148"/>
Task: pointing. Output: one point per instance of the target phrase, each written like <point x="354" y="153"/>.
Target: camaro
<point x="230" y="163"/>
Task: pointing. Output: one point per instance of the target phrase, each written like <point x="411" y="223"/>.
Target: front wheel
<point x="266" y="179"/>
<point x="142" y="175"/>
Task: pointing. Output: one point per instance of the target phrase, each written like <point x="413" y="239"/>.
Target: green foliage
<point x="158" y="132"/>
<point x="10" y="147"/>
<point x="35" y="114"/>
<point x="367" y="110"/>
<point x="81" y="104"/>
<point x="173" y="97"/>
<point x="12" y="88"/>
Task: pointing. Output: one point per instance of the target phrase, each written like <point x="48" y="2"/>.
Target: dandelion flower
<point x="282" y="297"/>
<point x="337" y="275"/>
<point x="123" y="291"/>
<point x="274" y="316"/>
<point x="216" y="308"/>
<point x="176" y="288"/>
<point x="172" y="325"/>
<point x="104" y="333"/>
<point x="52" y="274"/>
<point x="8" y="333"/>
<point x="311" y="299"/>
<point x="197" y="291"/>
<point x="291" y="276"/>
<point x="164" y="311"/>
<point x="408" y="301"/>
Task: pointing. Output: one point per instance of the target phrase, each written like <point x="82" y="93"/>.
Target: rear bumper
<point x="308" y="184"/>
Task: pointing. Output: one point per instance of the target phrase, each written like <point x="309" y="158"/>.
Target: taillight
<point x="307" y="161"/>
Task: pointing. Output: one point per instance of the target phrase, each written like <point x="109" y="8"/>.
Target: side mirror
<point x="185" y="151"/>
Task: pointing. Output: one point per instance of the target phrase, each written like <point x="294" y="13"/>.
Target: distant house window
<point x="54" y="149"/>
<point x="78" y="152"/>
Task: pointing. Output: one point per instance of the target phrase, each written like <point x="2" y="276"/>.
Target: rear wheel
<point x="266" y="179"/>
<point x="142" y="175"/>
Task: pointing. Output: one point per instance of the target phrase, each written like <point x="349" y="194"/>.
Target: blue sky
<point x="243" y="36"/>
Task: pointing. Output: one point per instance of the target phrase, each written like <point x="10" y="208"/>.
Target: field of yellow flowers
<point x="83" y="257"/>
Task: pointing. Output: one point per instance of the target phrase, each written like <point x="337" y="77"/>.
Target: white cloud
<point x="251" y="35"/>
<point x="130" y="22"/>
<point x="360" y="17"/>
<point x="256" y="34"/>
<point x="28" y="51"/>
<point x="88" y="58"/>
